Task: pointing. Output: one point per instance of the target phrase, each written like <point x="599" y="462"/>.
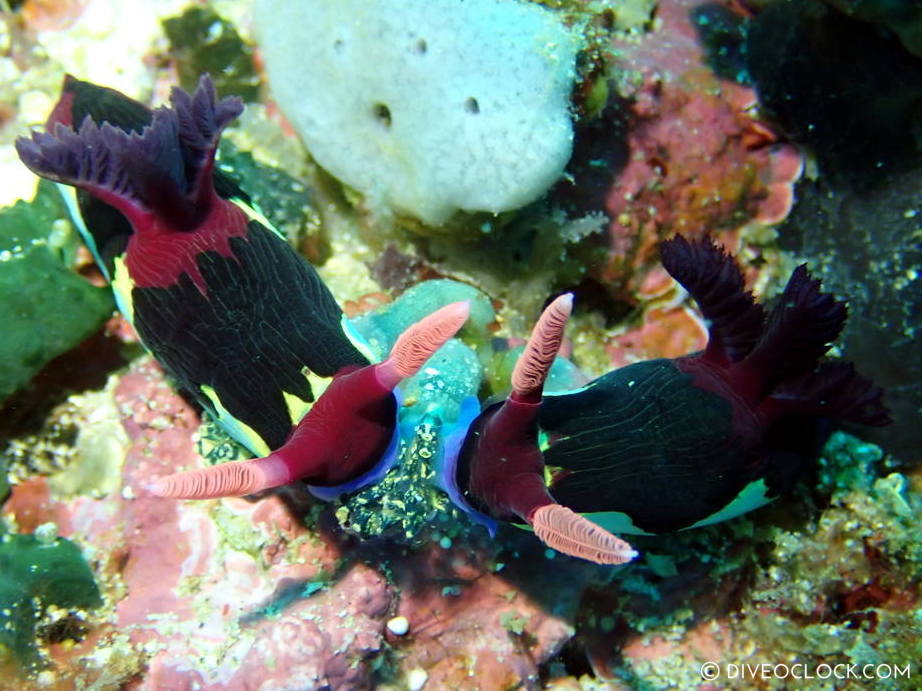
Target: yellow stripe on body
<point x="256" y="215"/>
<point x="121" y="289"/>
<point x="240" y="431"/>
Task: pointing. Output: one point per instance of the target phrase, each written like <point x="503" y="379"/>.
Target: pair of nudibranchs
<point x="243" y="322"/>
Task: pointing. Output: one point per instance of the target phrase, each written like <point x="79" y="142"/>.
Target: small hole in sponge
<point x="338" y="45"/>
<point x="471" y="106"/>
<point x="420" y="46"/>
<point x="382" y="114"/>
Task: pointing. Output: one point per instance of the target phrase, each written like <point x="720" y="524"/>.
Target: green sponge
<point x="45" y="308"/>
<point x="38" y="573"/>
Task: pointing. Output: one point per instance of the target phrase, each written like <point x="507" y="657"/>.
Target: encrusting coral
<point x="690" y="153"/>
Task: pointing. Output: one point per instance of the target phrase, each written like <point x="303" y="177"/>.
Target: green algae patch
<point x="201" y="41"/>
<point x="45" y="308"/>
<point x="45" y="588"/>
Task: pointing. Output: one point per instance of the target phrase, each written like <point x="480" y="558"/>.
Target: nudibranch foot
<point x="80" y="99"/>
<point x="570" y="533"/>
<point x="343" y="436"/>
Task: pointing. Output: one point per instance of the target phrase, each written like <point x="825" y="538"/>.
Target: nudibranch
<point x="222" y="301"/>
<point x="500" y="469"/>
<point x="664" y="445"/>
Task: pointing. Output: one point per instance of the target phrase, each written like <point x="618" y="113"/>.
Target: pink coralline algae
<point x="700" y="161"/>
<point x="472" y="626"/>
<point x="318" y="642"/>
<point x="668" y="332"/>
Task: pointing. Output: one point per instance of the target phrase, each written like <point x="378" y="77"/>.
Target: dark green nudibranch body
<point x="248" y="343"/>
<point x="643" y="450"/>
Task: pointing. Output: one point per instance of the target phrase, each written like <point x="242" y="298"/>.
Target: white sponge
<point x="430" y="105"/>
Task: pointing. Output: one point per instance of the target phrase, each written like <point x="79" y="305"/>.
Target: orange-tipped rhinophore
<point x="418" y="343"/>
<point x="234" y="479"/>
<point x="534" y="364"/>
<point x="502" y="467"/>
<point x="570" y="533"/>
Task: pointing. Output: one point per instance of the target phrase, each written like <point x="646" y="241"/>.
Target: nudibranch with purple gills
<point x="222" y="301"/>
<point x="665" y="445"/>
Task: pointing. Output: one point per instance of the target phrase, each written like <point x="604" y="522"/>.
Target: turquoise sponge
<point x="381" y="329"/>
